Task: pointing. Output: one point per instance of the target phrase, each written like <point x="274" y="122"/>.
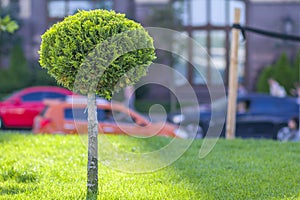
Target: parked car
<point x="19" y="109"/>
<point x="114" y="118"/>
<point x="258" y="116"/>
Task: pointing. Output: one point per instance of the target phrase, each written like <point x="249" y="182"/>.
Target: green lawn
<point x="54" y="167"/>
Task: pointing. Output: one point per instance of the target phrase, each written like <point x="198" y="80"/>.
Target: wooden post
<point x="233" y="79"/>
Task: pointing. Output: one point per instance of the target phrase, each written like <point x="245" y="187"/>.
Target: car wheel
<point x="194" y="128"/>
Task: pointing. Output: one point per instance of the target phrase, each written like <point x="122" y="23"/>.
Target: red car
<point x="19" y="109"/>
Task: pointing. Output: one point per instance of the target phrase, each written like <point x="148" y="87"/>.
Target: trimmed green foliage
<point x="54" y="167"/>
<point x="96" y="45"/>
<point x="283" y="71"/>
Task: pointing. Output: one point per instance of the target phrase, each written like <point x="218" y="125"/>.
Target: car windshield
<point x="102" y="115"/>
<point x="81" y="114"/>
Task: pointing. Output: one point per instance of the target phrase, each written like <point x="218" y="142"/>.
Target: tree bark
<point x="92" y="168"/>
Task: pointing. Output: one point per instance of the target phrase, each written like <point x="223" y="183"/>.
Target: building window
<point x="208" y="22"/>
<point x="180" y="64"/>
<point x="11" y="6"/>
<point x="218" y="51"/>
<point x="213" y="56"/>
<point x="198" y="14"/>
<point x="203" y="12"/>
<point x="58" y="9"/>
<point x="218" y="12"/>
<point x="74" y="6"/>
<point x="200" y="58"/>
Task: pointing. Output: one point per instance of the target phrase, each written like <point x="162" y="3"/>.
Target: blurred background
<point x="207" y="21"/>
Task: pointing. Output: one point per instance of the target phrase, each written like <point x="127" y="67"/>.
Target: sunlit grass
<point x="54" y="167"/>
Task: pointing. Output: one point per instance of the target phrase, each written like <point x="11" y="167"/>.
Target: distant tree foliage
<point x="67" y="45"/>
<point x="18" y="74"/>
<point x="40" y="76"/>
<point x="166" y="16"/>
<point x="283" y="71"/>
<point x="8" y="25"/>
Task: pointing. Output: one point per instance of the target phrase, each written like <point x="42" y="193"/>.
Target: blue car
<point x="258" y="116"/>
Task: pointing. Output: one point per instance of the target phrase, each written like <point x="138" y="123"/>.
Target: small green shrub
<point x="40" y="76"/>
<point x="17" y="75"/>
<point x="283" y="71"/>
<point x="296" y="68"/>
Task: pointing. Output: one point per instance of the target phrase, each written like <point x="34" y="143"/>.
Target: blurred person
<point x="291" y="132"/>
<point x="298" y="93"/>
<point x="296" y="90"/>
<point x="242" y="90"/>
<point x="276" y="89"/>
<point x="242" y="107"/>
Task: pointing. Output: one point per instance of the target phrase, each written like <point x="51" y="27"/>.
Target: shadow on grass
<point x="242" y="169"/>
<point x="11" y="190"/>
<point x="237" y="169"/>
<point x="17" y="181"/>
<point x="19" y="176"/>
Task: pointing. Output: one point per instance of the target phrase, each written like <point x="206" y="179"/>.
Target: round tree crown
<point x="96" y="51"/>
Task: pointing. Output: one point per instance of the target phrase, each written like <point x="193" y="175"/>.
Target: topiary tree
<point x="96" y="52"/>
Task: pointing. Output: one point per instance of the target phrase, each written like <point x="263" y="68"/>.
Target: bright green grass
<point x="54" y="167"/>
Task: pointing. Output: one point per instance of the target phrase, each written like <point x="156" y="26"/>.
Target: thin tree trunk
<point x="92" y="169"/>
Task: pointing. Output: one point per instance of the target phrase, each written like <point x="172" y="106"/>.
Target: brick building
<point x="273" y="15"/>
